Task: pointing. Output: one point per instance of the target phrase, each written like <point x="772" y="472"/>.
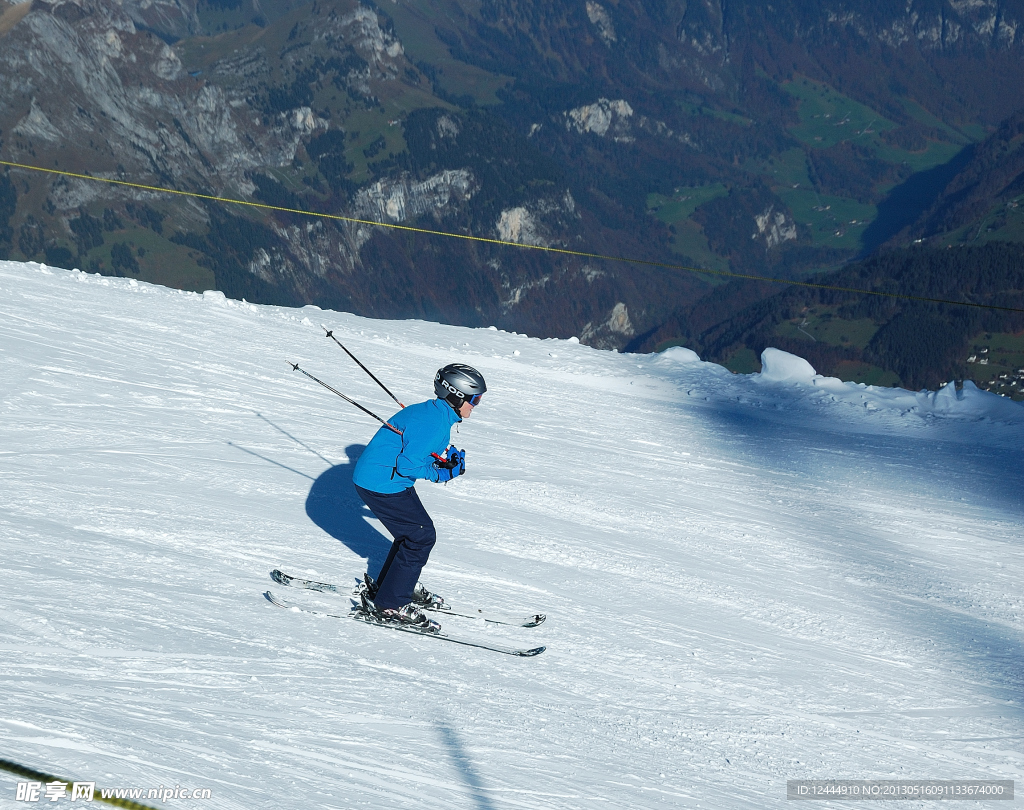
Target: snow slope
<point x="748" y="579"/>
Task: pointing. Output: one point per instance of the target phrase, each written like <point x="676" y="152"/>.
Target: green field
<point x="854" y="371"/>
<point x="743" y="361"/>
<point x="416" y="22"/>
<point x="833" y="221"/>
<point x="163" y="262"/>
<point x="922" y="116"/>
<point x="1002" y="223"/>
<point x="934" y="154"/>
<point x="683" y="202"/>
<point x="785" y="169"/>
<point x="688" y="238"/>
<point x="364" y="127"/>
<point x="976" y="132"/>
<point x="828" y="117"/>
<point x="822" y="325"/>
<point x="1005" y="356"/>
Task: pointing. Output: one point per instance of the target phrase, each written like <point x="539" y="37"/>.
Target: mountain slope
<point x="982" y="202"/>
<point x="730" y="137"/>
<point x="879" y="337"/>
<point x="748" y="579"/>
<point x="320" y="110"/>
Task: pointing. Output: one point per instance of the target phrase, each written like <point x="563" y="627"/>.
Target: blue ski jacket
<point x="391" y="463"/>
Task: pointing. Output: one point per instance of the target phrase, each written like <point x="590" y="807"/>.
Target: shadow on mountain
<point x="910" y="199"/>
<point x="334" y="506"/>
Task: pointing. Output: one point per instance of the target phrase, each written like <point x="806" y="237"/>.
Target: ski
<point x="281" y="578"/>
<point x="488" y="616"/>
<point x="441" y="635"/>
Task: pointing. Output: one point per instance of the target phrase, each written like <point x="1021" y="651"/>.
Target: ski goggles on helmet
<point x="474" y="400"/>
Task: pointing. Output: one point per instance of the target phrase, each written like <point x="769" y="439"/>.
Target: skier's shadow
<point x="334" y="506"/>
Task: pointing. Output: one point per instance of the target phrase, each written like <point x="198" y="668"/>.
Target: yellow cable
<point x="503" y="242"/>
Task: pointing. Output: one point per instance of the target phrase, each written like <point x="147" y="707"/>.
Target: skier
<point x="384" y="478"/>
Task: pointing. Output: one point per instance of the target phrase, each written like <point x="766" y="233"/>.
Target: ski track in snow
<point x="746" y="581"/>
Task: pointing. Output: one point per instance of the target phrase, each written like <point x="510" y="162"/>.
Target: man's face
<point x="465" y="409"/>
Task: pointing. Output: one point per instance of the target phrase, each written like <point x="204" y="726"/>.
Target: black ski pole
<point x="295" y="367"/>
<point x="330" y="334"/>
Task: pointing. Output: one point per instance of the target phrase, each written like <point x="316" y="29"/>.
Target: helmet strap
<point x="455" y="403"/>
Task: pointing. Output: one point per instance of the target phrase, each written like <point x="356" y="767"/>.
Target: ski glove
<point x="451" y="467"/>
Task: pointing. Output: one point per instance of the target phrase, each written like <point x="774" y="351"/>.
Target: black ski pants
<point x="404" y="516"/>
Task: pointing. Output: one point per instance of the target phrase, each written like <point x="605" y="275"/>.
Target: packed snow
<point x="747" y="578"/>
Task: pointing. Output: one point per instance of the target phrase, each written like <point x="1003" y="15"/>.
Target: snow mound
<point x="679" y="354"/>
<point x="971" y="402"/>
<point x="780" y="366"/>
<point x="793" y="384"/>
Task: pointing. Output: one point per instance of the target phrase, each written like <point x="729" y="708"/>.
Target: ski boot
<point x="420" y="595"/>
<point x="409" y="615"/>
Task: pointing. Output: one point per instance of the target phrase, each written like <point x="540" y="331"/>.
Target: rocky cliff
<point x="734" y="137"/>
